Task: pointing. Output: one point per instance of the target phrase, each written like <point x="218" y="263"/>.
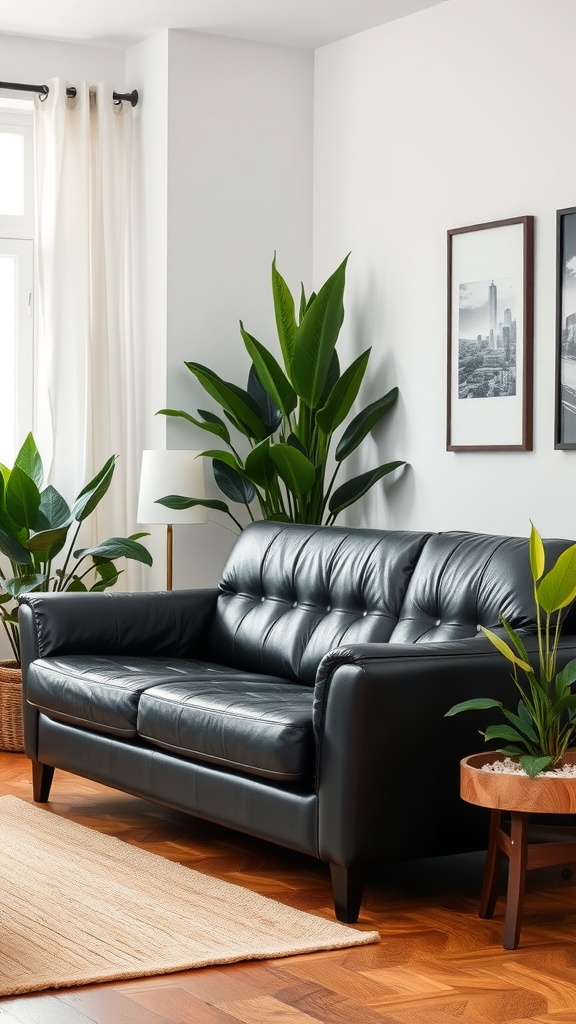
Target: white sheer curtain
<point x="87" y="402"/>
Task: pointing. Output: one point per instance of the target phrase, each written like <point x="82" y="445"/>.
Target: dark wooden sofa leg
<point x="347" y="887"/>
<point x="42" y="775"/>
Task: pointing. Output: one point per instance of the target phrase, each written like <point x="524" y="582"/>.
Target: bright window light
<point x="8" y="303"/>
<point x="11" y="174"/>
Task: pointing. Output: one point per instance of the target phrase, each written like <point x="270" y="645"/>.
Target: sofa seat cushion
<point x="102" y="693"/>
<point x="254" y="724"/>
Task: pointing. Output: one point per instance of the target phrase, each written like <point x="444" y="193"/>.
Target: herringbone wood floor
<point x="437" y="962"/>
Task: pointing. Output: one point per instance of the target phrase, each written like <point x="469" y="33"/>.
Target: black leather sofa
<point x="301" y="701"/>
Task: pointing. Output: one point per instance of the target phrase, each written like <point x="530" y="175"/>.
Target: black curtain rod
<point x="43" y="90"/>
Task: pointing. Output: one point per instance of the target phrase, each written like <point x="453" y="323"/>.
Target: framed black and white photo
<point x="490" y="336"/>
<point x="565" y="429"/>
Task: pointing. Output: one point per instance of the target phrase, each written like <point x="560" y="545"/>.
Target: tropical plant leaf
<point x="294" y="468"/>
<point x="54" y="511"/>
<point x="343" y="395"/>
<point x="211" y="420"/>
<point x="524" y="727"/>
<point x="234" y="400"/>
<point x="76" y="586"/>
<point x="303" y="303"/>
<point x="504" y="649"/>
<point x="316" y="339"/>
<point x="285" y="315"/>
<point x="91" y="495"/>
<point x="259" y="467"/>
<point x="227" y="457"/>
<point x="270" y="374"/>
<point x="233" y="484"/>
<point x="269" y="412"/>
<point x="355" y="488"/>
<point x="117" y="547"/>
<point x="178" y="501"/>
<point x="294" y="441"/>
<point x="534" y="765"/>
<point x="474" y="704"/>
<point x="566" y="677"/>
<point x="19" y="585"/>
<point x="101" y="585"/>
<point x="523" y="713"/>
<point x="516" y="640"/>
<point x="106" y="569"/>
<point x="566" y="702"/>
<point x="16" y="553"/>
<point x="363" y="423"/>
<point x="22" y="499"/>
<point x="48" y="543"/>
<point x="504" y="732"/>
<point x="558" y="588"/>
<point x="536" y="553"/>
<point x="214" y="426"/>
<point x="29" y="461"/>
<point x="104" y="584"/>
<point x="332" y="377"/>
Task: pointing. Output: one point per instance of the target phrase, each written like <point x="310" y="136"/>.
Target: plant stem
<point x="68" y="556"/>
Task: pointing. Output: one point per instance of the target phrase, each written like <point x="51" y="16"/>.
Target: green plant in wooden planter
<point x="288" y="415"/>
<point x="539" y="731"/>
<point x="35" y="523"/>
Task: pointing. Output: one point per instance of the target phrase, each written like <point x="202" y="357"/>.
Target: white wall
<point x="239" y="187"/>
<point x="457" y="115"/>
<point x="147" y="71"/>
<point x="25" y="59"/>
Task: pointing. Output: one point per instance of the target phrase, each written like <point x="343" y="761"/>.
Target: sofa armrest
<point x="386" y="752"/>
<point x="170" y="624"/>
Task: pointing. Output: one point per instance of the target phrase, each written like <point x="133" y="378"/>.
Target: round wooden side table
<point x="519" y="796"/>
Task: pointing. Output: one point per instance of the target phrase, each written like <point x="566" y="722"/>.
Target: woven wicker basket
<point x="11" y="725"/>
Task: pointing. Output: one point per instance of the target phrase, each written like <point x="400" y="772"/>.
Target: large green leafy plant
<point x="287" y="416"/>
<point x="539" y="731"/>
<point x="35" y="523"/>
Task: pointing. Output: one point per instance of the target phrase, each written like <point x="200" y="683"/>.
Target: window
<point x="16" y="275"/>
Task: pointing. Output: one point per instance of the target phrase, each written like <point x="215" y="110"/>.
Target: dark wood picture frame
<point x="490" y="372"/>
<point x="565" y="412"/>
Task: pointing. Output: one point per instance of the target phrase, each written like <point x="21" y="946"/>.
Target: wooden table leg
<point x="516" y="878"/>
<point x="491" y="872"/>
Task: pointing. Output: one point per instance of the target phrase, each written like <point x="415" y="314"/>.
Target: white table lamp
<point x="170" y="472"/>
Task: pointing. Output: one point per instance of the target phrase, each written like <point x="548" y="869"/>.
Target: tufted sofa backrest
<point x="466" y="580"/>
<point x="290" y="593"/>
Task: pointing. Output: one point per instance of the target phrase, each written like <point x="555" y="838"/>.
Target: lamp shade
<point x="170" y="472"/>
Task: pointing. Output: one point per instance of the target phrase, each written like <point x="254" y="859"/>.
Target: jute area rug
<point x="78" y="907"/>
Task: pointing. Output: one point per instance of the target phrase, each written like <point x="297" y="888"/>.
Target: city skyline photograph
<point x="474" y="305"/>
<point x="486" y="339"/>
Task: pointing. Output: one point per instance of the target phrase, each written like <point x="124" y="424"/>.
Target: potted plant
<point x="38" y="537"/>
<point x="538" y="732"/>
<point x="287" y="416"/>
